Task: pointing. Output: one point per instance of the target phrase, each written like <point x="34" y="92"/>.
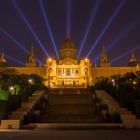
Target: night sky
<point x="114" y="23"/>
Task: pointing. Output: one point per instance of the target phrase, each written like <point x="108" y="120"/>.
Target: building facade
<point x="68" y="71"/>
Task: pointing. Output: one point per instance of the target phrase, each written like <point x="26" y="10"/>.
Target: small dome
<point x="68" y="49"/>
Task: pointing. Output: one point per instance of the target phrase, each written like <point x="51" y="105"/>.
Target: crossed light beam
<point x="48" y="26"/>
<point x="118" y="9"/>
<point x="16" y="42"/>
<point x="120" y="37"/>
<point x="13" y="39"/>
<point x="125" y="54"/>
<point x="13" y="59"/>
<point x="117" y="39"/>
<point x="22" y="16"/>
<point x="91" y="20"/>
<point x="68" y="16"/>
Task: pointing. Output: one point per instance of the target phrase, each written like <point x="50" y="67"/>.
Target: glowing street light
<point x="30" y="81"/>
<point x="12" y="89"/>
<point x="113" y="81"/>
<point x="134" y="82"/>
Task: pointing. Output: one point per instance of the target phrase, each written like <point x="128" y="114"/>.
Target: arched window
<point x="86" y="73"/>
<point x="76" y="72"/>
<point x="68" y="72"/>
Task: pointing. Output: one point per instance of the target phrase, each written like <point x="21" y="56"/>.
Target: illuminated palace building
<point x="68" y="71"/>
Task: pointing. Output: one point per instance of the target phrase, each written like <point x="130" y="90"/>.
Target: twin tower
<point x="68" y="49"/>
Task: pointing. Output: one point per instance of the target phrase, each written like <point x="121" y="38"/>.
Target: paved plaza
<point x="117" y="134"/>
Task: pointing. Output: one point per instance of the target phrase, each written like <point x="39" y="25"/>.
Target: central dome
<point x="68" y="49"/>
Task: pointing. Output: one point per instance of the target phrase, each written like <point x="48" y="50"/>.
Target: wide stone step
<point x="72" y="90"/>
<point x="74" y="126"/>
<point x="70" y="109"/>
<point x="128" y="117"/>
<point x="69" y="99"/>
<point x="73" y="118"/>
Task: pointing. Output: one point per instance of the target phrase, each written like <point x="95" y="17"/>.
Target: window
<point x="76" y="72"/>
<point x="68" y="72"/>
<point x="86" y="72"/>
<point x="68" y="53"/>
<point x="59" y="72"/>
<point x="50" y="70"/>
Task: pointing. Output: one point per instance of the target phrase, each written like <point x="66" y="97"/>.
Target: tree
<point x="1" y="84"/>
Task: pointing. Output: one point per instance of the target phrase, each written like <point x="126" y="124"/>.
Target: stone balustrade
<point x="14" y="120"/>
<point x="129" y="120"/>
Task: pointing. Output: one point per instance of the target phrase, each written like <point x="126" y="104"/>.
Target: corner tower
<point x="104" y="61"/>
<point x="31" y="60"/>
<point x="133" y="61"/>
<point x="3" y="62"/>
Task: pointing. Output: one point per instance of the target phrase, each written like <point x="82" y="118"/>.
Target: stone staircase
<point x="129" y="120"/>
<point x="71" y="106"/>
<point x="26" y="107"/>
<point x="15" y="119"/>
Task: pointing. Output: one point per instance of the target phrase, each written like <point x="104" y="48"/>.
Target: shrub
<point x="115" y="117"/>
<point x="137" y="108"/>
<point x="96" y="100"/>
<point x="103" y="107"/>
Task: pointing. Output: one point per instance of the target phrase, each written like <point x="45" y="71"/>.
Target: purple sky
<point x="125" y="27"/>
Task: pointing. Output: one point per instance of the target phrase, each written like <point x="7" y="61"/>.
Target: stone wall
<point x="109" y="71"/>
<point x="41" y="71"/>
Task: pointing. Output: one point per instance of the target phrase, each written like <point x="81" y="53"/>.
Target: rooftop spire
<point x="32" y="50"/>
<point x="3" y="61"/>
<point x="133" y="60"/>
<point x="103" y="51"/>
<point x="133" y="57"/>
<point x="68" y="35"/>
<point x="31" y="60"/>
<point x="3" y="57"/>
<point x="104" y="62"/>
